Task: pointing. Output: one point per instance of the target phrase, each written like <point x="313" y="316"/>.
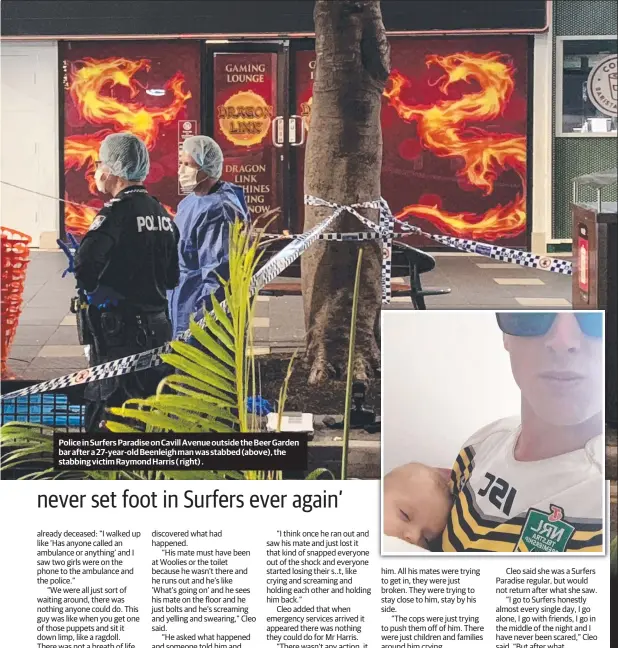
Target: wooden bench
<point x="408" y="262"/>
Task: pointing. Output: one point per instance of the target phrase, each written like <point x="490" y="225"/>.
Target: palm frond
<point x="219" y="386"/>
<point x="208" y="392"/>
<point x="195" y="355"/>
<point x="318" y="472"/>
<point x="203" y="337"/>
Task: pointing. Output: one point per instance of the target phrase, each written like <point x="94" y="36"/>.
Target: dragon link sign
<point x="245" y="118"/>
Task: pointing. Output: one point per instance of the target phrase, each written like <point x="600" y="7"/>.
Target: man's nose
<point x="565" y="334"/>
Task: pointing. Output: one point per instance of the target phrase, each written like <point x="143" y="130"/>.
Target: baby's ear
<point x="445" y="473"/>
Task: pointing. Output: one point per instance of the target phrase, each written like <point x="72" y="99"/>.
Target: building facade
<point x="245" y="76"/>
<point x="584" y="36"/>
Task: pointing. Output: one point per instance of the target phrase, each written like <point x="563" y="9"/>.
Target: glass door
<point x="302" y="70"/>
<point x="246" y="115"/>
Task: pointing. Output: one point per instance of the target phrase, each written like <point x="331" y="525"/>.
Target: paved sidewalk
<point x="475" y="283"/>
<point x="46" y="345"/>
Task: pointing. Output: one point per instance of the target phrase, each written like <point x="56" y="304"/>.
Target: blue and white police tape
<point x="385" y="231"/>
<point x="508" y="255"/>
<point x="152" y="358"/>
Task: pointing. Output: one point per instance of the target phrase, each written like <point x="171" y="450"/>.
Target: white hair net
<point x="207" y="153"/>
<point x="126" y="156"/>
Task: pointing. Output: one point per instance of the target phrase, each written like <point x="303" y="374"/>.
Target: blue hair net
<point x="207" y="153"/>
<point x="126" y="156"/>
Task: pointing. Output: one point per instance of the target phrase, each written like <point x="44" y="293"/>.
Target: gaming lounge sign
<point x="603" y="85"/>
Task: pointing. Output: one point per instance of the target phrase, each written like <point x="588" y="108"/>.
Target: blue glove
<point x="103" y="297"/>
<point x="69" y="249"/>
<point x="258" y="405"/>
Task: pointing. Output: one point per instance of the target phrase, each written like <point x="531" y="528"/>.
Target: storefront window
<point x="434" y="123"/>
<point x="149" y="88"/>
<point x="587" y="86"/>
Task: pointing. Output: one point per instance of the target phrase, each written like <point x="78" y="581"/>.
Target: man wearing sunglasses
<point x="534" y="483"/>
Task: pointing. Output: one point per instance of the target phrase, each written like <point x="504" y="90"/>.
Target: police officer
<point x="125" y="264"/>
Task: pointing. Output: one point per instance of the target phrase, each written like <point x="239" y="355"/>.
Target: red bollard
<point x="15" y="253"/>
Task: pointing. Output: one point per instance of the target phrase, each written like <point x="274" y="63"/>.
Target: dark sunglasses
<point x="537" y="324"/>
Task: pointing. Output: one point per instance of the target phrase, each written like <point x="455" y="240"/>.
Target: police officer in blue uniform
<point x="125" y="265"/>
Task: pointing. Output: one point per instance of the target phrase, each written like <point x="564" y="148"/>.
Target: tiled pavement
<point x="475" y="283"/>
<point x="46" y="346"/>
<point x="480" y="283"/>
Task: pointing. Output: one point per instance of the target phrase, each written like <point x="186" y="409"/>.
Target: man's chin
<point x="566" y="414"/>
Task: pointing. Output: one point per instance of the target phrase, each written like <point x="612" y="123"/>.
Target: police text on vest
<point x="154" y="223"/>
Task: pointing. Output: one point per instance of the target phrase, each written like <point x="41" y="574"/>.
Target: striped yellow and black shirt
<point x="505" y="505"/>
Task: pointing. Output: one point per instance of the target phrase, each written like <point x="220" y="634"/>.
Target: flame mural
<point x="454" y="124"/>
<point x="78" y="218"/>
<point x="446" y="129"/>
<point x="93" y="88"/>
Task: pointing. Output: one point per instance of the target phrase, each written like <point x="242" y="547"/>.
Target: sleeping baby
<point x="416" y="504"/>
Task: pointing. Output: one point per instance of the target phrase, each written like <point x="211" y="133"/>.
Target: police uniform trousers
<point x="116" y="333"/>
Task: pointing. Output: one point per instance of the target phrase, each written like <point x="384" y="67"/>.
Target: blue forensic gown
<point x="203" y="250"/>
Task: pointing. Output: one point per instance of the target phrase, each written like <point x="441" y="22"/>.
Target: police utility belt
<point x="100" y="325"/>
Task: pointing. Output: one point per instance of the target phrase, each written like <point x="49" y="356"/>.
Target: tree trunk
<point x="343" y="159"/>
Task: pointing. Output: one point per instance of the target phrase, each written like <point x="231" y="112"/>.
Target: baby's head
<point x="417" y="503"/>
